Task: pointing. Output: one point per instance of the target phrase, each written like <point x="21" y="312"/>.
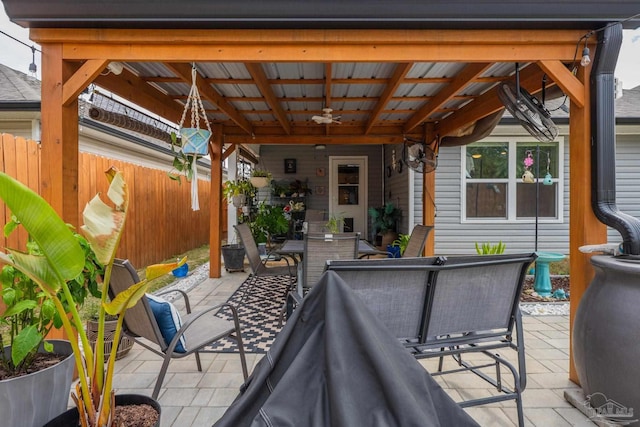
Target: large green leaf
<point x="45" y="227"/>
<point x="23" y="343"/>
<point x="36" y="268"/>
<point x="20" y="307"/>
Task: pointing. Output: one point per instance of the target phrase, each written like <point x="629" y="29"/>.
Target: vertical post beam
<point x="584" y="227"/>
<point x="215" y="216"/>
<point x="59" y="146"/>
<point x="59" y="164"/>
<point x="428" y="197"/>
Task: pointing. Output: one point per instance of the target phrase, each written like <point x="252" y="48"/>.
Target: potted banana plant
<point x="61" y="260"/>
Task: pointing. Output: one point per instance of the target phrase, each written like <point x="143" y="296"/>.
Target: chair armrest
<point x="183" y="293"/>
<point x="197" y="315"/>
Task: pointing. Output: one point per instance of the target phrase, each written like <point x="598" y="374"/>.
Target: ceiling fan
<point x="326" y="118"/>
<point x="526" y="108"/>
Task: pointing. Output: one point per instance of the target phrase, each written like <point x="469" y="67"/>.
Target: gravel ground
<point x="193" y="279"/>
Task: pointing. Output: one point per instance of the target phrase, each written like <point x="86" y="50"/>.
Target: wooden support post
<point x="584" y="227"/>
<point x="215" y="215"/>
<point x="59" y="155"/>
<point x="428" y="197"/>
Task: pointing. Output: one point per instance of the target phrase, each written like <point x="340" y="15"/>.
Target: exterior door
<point x="348" y="191"/>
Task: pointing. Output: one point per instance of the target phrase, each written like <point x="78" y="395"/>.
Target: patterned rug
<point x="258" y="302"/>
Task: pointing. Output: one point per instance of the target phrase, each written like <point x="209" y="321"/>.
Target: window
<point x="498" y="184"/>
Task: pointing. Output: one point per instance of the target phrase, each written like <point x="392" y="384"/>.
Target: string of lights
<point x="33" y="68"/>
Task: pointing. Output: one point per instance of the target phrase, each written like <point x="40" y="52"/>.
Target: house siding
<point x="627" y="178"/>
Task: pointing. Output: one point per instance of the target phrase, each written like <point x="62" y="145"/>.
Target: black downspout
<point x="603" y="141"/>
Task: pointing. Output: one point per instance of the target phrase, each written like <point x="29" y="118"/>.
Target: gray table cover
<point x="334" y="364"/>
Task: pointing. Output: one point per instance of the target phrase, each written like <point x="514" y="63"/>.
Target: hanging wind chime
<point x="195" y="141"/>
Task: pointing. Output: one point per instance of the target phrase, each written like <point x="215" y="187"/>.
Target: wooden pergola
<point x="73" y="58"/>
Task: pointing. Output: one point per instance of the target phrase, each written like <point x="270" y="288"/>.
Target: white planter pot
<point x="34" y="399"/>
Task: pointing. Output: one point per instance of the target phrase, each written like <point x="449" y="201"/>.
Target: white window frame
<point x="511" y="181"/>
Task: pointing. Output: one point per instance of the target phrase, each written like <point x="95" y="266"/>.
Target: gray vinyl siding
<point x="453" y="236"/>
<point x="627" y="179"/>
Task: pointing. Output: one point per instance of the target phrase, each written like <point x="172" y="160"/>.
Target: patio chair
<point x="318" y="248"/>
<point x="316" y="226"/>
<point x="259" y="266"/>
<point x="466" y="304"/>
<point x="192" y="332"/>
<point x="417" y="240"/>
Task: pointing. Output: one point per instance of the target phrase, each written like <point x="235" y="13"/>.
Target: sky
<point x="17" y="56"/>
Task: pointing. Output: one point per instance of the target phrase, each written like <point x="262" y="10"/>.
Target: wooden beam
<point x="569" y="83"/>
<point x="320" y="52"/>
<point x="428" y="198"/>
<point x="229" y="151"/>
<point x="396" y="79"/>
<point x="305" y="37"/>
<point x="315" y="139"/>
<point x="184" y="71"/>
<point x="258" y="74"/>
<point x="132" y="88"/>
<point x="584" y="227"/>
<point x="216" y="202"/>
<point x="487" y="103"/>
<point x="81" y="79"/>
<point x="461" y="80"/>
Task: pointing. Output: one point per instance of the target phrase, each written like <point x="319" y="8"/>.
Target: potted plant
<point x="268" y="222"/>
<point x="236" y="191"/>
<point x="397" y="247"/>
<point x="335" y="224"/>
<point x="489" y="249"/>
<point x="59" y="261"/>
<point x="260" y="178"/>
<point x="110" y="323"/>
<point x="384" y="221"/>
<point x="27" y="361"/>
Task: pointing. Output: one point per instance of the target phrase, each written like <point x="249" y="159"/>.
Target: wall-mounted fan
<point x="526" y="108"/>
<point x="419" y="157"/>
<point x="326" y="118"/>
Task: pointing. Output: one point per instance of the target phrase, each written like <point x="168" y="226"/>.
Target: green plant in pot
<point x="60" y="261"/>
<point x="269" y="221"/>
<point x="384" y="220"/>
<point x="29" y="360"/>
<point x="401" y="243"/>
<point x="260" y="178"/>
<point x="237" y="191"/>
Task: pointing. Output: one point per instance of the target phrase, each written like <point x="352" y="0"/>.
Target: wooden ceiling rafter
<point x="261" y="81"/>
<point x="462" y="80"/>
<point x="397" y="78"/>
<point x="183" y="70"/>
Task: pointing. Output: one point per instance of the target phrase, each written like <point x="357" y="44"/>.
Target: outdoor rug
<point x="258" y="301"/>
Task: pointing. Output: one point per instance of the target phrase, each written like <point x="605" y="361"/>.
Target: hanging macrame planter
<point x="195" y="141"/>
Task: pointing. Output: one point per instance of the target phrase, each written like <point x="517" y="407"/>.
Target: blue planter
<point x="394" y="251"/>
<point x="181" y="271"/>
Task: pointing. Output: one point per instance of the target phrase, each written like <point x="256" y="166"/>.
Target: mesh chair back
<point x="320" y="247"/>
<point x="250" y="246"/>
<point x="467" y="296"/>
<point x="394" y="289"/>
<point x="138" y="320"/>
<point x="316" y="226"/>
<point x="417" y="241"/>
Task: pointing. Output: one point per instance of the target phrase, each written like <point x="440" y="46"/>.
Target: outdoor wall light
<point x="320" y="147"/>
<point x="33" y="67"/>
<point x="115" y="67"/>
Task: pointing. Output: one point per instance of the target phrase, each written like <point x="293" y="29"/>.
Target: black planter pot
<point x="233" y="257"/>
<point x="70" y="418"/>
<point x="605" y="344"/>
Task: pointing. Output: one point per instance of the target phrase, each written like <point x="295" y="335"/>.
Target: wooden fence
<point x="160" y="223"/>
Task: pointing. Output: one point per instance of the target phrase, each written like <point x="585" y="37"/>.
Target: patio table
<point x="295" y="249"/>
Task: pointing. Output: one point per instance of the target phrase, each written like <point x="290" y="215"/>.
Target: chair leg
<point x="198" y="364"/>
<point x="238" y="337"/>
<point x="163" y="372"/>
